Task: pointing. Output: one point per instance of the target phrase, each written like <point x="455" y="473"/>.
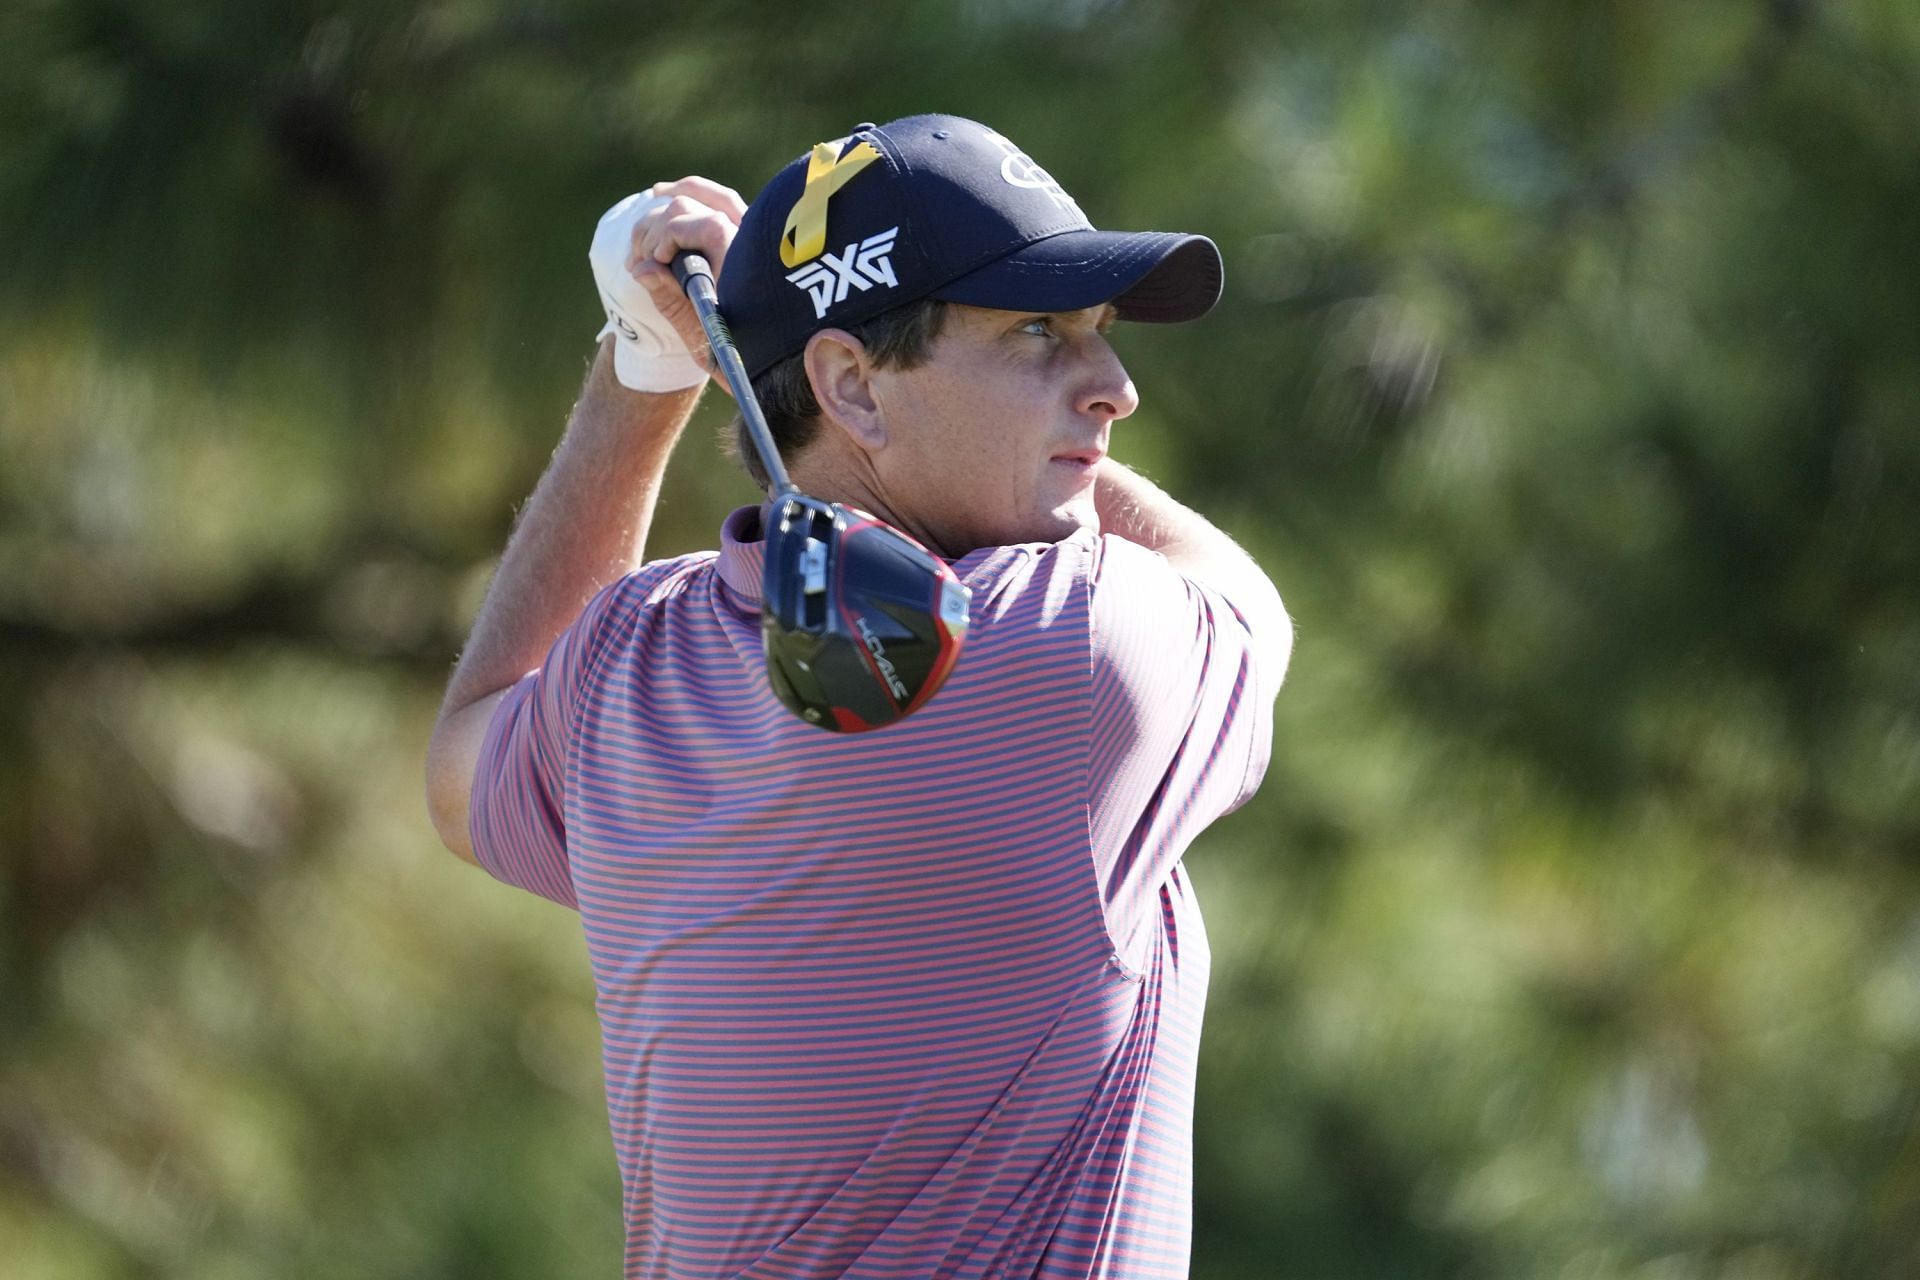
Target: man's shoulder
<point x="1032" y="579"/>
<point x="616" y="609"/>
<point x="1100" y="562"/>
<point x="1077" y="549"/>
<point x="659" y="580"/>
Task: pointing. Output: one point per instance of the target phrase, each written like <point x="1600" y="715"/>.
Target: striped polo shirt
<point x="919" y="1002"/>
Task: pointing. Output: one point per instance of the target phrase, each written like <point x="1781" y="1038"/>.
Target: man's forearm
<point x="584" y="527"/>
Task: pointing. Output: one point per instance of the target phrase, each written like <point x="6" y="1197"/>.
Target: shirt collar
<point x="743" y="553"/>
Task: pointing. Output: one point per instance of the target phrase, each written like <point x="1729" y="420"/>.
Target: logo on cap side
<point x="1017" y="169"/>
<point x="805" y="234"/>
<point x="859" y="266"/>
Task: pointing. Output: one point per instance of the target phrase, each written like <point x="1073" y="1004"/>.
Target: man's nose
<point x="1107" y="391"/>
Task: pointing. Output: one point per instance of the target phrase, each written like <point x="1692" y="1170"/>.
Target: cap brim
<point x="1161" y="277"/>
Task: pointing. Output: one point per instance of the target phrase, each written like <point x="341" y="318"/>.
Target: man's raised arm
<point x="1133" y="507"/>
<point x="586" y="524"/>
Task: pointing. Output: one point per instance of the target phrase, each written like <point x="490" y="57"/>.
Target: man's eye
<point x="1039" y="327"/>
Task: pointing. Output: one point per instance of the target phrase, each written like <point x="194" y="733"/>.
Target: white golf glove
<point x="648" y="354"/>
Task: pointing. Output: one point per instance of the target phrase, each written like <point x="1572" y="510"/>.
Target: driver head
<point x="861" y="623"/>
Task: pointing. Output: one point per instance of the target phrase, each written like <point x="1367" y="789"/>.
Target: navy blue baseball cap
<point x="941" y="207"/>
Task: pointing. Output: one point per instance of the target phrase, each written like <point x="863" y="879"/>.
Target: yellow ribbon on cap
<point x="805" y="235"/>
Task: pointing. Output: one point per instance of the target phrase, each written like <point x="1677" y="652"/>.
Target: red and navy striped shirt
<point x="918" y="1002"/>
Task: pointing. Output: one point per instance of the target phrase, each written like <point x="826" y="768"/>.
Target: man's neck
<point x="863" y="491"/>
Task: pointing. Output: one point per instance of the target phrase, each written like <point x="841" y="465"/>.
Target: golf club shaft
<point x="696" y="277"/>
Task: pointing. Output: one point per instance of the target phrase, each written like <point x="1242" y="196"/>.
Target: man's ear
<point x="842" y="379"/>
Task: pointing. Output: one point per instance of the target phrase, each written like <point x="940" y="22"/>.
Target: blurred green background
<point x="1567" y="383"/>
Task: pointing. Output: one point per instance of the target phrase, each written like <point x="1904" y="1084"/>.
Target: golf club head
<point x="862" y="624"/>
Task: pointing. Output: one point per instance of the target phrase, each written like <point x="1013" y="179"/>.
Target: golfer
<point x="923" y="1001"/>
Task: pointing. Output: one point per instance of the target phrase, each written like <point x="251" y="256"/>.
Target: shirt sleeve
<point x="517" y="812"/>
<point x="1182" y="716"/>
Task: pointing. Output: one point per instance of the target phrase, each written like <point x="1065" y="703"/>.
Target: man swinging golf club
<point x="920" y="997"/>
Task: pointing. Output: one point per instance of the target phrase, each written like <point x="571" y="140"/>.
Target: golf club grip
<point x="696" y="278"/>
<point x="687" y="265"/>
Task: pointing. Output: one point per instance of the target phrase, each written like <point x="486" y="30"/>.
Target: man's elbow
<point x="453" y="761"/>
<point x="448" y="789"/>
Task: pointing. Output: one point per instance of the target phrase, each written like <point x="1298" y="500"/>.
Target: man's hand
<point x="659" y="345"/>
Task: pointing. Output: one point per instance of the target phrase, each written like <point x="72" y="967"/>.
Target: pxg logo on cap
<point x="860" y="266"/>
